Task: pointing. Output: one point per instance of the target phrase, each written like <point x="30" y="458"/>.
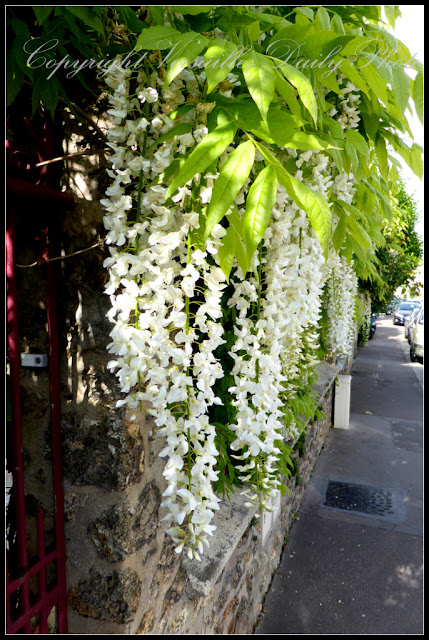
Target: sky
<point x="409" y="28"/>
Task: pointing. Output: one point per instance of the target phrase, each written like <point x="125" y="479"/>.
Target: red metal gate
<point x="28" y="609"/>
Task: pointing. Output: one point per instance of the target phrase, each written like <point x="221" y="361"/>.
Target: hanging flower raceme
<point x="164" y="335"/>
<point x="276" y="313"/>
<point x="364" y="314"/>
<point x="342" y="291"/>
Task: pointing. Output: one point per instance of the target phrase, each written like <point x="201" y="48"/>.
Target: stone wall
<point x="123" y="575"/>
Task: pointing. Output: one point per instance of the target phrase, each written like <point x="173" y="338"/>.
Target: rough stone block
<point x="106" y="452"/>
<point x="107" y="596"/>
<point x="120" y="531"/>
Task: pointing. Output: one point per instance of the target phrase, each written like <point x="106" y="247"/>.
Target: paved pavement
<point x="349" y="571"/>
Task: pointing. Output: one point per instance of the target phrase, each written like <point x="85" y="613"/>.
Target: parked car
<point x="403" y="310"/>
<point x="409" y="323"/>
<point x="417" y="338"/>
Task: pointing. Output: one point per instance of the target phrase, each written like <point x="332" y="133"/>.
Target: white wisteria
<point x="342" y="292"/>
<point x="166" y="288"/>
<point x="163" y="357"/>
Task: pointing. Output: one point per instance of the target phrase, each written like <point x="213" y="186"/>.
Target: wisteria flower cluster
<point x="268" y="352"/>
<point x="342" y="292"/>
<point x="166" y="294"/>
<point x="165" y="299"/>
<point x="364" y="315"/>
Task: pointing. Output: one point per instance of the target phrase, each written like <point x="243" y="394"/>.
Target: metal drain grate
<point x="364" y="499"/>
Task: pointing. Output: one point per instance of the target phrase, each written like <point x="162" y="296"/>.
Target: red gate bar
<point x="13" y="344"/>
<point x="23" y="622"/>
<point x="44" y="603"/>
<point x="42" y="572"/>
<point x="32" y="570"/>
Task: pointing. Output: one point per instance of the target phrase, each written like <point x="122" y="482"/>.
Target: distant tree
<point x="402" y="254"/>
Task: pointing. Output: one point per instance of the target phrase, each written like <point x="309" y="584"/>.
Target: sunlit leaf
<point x="206" y="152"/>
<point x="260" y="78"/>
<point x="232" y="177"/>
<point x="418" y="95"/>
<point x="260" y="202"/>
<point x="226" y="252"/>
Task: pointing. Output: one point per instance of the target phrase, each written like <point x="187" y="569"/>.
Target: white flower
<point x="148" y="95"/>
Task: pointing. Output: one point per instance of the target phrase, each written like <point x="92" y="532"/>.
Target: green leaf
<point x="281" y="126"/>
<point x="266" y="17"/>
<point x="305" y="11"/>
<point x="359" y="233"/>
<point x="328" y="80"/>
<point x="232" y="177"/>
<point x="385" y="204"/>
<point x="254" y="30"/>
<point x="356" y="247"/>
<point x="351" y="72"/>
<point x="322" y="20"/>
<point x="191" y="10"/>
<point x="260" y="202"/>
<point x="307" y="142"/>
<point x="226" y="252"/>
<point x="129" y="18"/>
<point x="42" y="13"/>
<point x="392" y="13"/>
<point x="401" y="87"/>
<point x="45" y="93"/>
<point x="359" y="142"/>
<point x="287" y="92"/>
<point x="262" y="131"/>
<point x="215" y="67"/>
<point x="302" y="85"/>
<point x="412" y="156"/>
<point x="244" y="112"/>
<point x="157" y="15"/>
<point x="340" y="232"/>
<point x="287" y="38"/>
<point x="158" y="38"/>
<point x="206" y="152"/>
<point x="381" y="152"/>
<point x="240" y="249"/>
<point x="317" y="210"/>
<point x="415" y="160"/>
<point x="315" y="205"/>
<point x="14" y="80"/>
<point x="347" y="250"/>
<point x="180" y="111"/>
<point x="352" y="156"/>
<point x="375" y="83"/>
<point x="335" y="129"/>
<point x="260" y="78"/>
<point x="88" y="17"/>
<point x="186" y="49"/>
<point x="337" y="24"/>
<point x="418" y="95"/>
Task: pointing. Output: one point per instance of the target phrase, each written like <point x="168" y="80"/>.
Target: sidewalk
<point x="345" y="571"/>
